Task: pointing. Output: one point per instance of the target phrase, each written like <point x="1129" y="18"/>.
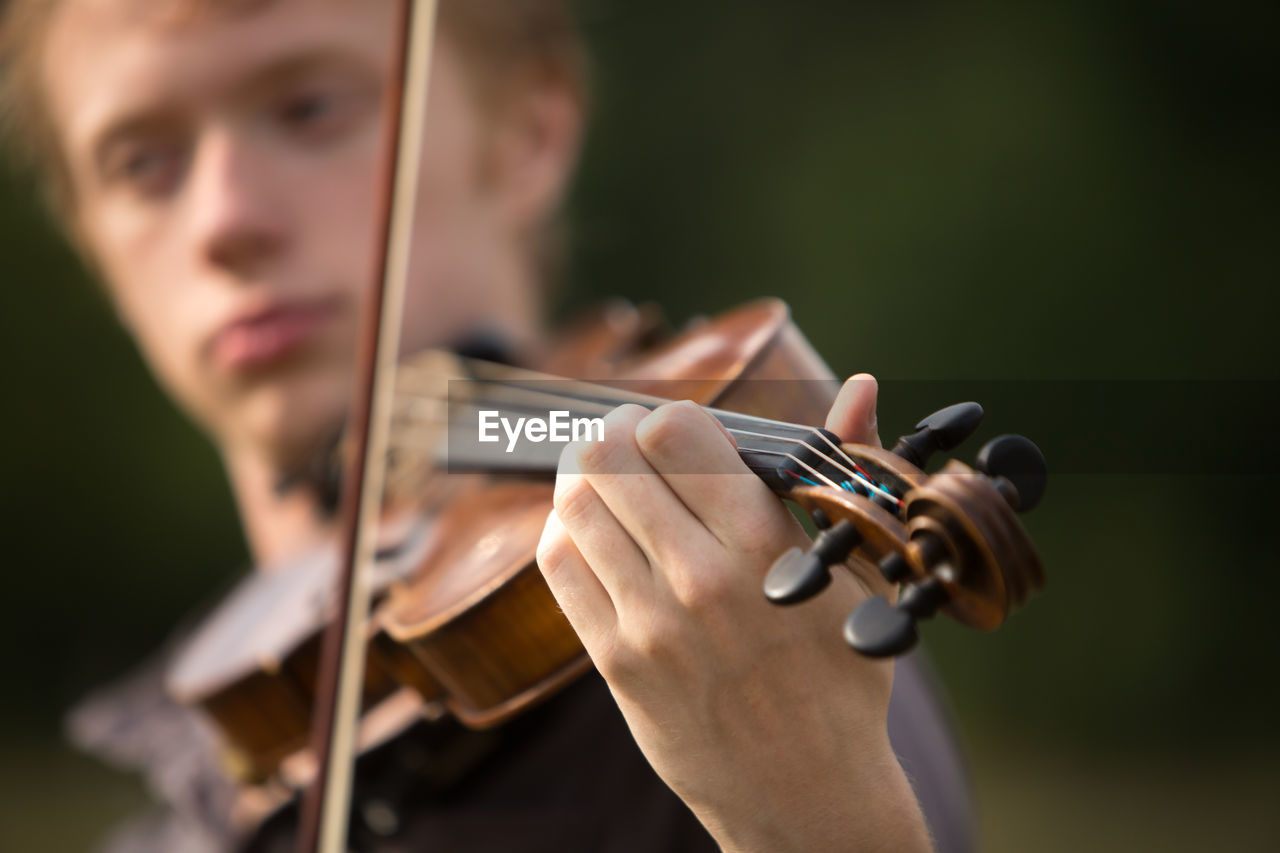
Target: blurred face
<point x="225" y="172"/>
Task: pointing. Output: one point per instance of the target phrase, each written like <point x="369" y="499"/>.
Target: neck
<point x="277" y="527"/>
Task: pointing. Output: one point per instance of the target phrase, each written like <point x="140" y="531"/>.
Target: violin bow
<point x="323" y="824"/>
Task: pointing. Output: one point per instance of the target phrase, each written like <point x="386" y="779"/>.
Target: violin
<point x="463" y="619"/>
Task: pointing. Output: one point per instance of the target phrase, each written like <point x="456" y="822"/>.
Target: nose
<point x="237" y="207"/>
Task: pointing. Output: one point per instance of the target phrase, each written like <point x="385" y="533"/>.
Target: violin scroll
<point x="950" y="540"/>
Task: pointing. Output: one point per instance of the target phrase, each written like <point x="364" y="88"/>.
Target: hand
<point x="759" y="717"/>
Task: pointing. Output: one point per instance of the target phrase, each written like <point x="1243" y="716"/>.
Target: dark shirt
<point x="566" y="776"/>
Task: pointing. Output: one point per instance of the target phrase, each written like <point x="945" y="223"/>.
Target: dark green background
<point x="968" y="202"/>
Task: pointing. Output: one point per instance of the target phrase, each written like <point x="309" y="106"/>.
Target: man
<point x="215" y="163"/>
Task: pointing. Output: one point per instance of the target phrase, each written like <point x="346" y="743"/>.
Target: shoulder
<point x="133" y="725"/>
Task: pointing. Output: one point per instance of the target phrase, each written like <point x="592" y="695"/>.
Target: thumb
<point x="853" y="415"/>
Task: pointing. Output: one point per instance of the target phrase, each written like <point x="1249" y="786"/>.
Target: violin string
<point x="578" y="394"/>
<point x="504" y="376"/>
<point x="603" y="405"/>
<point x="814" y="471"/>
<point x="801" y="479"/>
<point x="780" y="453"/>
<point x="840" y="451"/>
<point x="427" y="430"/>
<point x="858" y="474"/>
<point x="501" y="376"/>
<point x="424" y="426"/>
<point x="832" y="462"/>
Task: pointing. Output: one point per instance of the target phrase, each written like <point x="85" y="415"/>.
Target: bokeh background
<point x="1067" y="211"/>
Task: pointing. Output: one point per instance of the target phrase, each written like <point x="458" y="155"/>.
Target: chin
<point x="294" y="420"/>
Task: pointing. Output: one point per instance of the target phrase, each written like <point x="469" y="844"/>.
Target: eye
<point x="320" y="110"/>
<point x="150" y="168"/>
<point x="307" y="108"/>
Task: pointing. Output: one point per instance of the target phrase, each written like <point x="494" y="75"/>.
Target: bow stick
<point x="323" y="826"/>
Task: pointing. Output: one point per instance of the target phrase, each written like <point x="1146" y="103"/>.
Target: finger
<point x="723" y="429"/>
<point x="620" y="565"/>
<point x="582" y="598"/>
<point x="639" y="498"/>
<point x="693" y="453"/>
<point x="853" y="415"/>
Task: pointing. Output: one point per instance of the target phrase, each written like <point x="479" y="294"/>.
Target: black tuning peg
<point x="943" y="430"/>
<point x="799" y="575"/>
<point x="878" y="629"/>
<point x="1021" y="463"/>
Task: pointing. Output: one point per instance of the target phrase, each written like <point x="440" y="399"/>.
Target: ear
<point x="534" y="152"/>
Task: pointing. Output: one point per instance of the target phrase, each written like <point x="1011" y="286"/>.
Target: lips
<point x="263" y="337"/>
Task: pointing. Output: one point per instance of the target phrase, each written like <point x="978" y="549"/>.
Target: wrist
<point x="868" y="804"/>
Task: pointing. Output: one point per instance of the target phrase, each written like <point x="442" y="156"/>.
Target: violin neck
<point x="519" y="422"/>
